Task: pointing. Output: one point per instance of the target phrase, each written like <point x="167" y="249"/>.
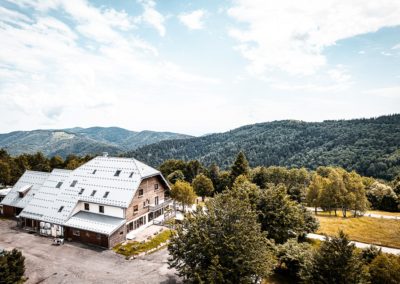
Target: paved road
<point x="358" y="244"/>
<point x="76" y="263"/>
<point x="372" y="215"/>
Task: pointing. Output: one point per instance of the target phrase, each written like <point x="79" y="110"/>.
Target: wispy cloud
<point x="292" y="35"/>
<point x="84" y="58"/>
<point x="152" y="17"/>
<point x="193" y="20"/>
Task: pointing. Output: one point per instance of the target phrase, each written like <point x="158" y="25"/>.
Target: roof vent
<point x="105" y="154"/>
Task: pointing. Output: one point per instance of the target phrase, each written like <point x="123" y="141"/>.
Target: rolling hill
<point x="369" y="146"/>
<point x="81" y="141"/>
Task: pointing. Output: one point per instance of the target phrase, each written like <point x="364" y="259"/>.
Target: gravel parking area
<point x="78" y="263"/>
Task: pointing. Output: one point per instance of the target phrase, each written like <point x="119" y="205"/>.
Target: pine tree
<point x="239" y="167"/>
<point x="335" y="261"/>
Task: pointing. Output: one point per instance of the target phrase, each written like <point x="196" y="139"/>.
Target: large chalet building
<point x="103" y="202"/>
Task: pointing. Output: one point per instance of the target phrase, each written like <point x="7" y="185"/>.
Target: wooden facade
<point x="86" y="237"/>
<point x="152" y="187"/>
<point x="10" y="211"/>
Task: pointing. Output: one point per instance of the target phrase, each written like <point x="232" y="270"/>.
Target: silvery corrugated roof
<point x="95" y="222"/>
<point x="99" y="174"/>
<point x="29" y="178"/>
<point x="41" y="207"/>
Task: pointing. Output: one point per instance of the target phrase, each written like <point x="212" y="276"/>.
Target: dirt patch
<point x="78" y="263"/>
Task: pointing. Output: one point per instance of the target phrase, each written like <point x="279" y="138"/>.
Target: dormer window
<point x="106" y="194"/>
<point x="61" y="209"/>
<point x="93" y="193"/>
<point x="94" y="172"/>
<point x="74" y="183"/>
<point x="59" y="184"/>
<point x="117" y="173"/>
<point x="131" y="175"/>
<point x="82" y="190"/>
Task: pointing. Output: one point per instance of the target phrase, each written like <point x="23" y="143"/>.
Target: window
<point x="87" y="206"/>
<point x="139" y="222"/>
<point x="117" y="173"/>
<point x="141" y="192"/>
<point x="106" y="194"/>
<point x="156" y="200"/>
<point x="59" y="184"/>
<point x="98" y="236"/>
<point x="61" y="209"/>
<point x="131" y="175"/>
<point x="93" y="193"/>
<point x="82" y="190"/>
<point x="156" y="186"/>
<point x="74" y="183"/>
<point x="151" y="216"/>
<point x="76" y="232"/>
<point x="135" y="208"/>
<point x="101" y="208"/>
<point x="94" y="172"/>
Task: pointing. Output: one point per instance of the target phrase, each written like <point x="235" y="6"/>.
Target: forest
<point x="371" y="147"/>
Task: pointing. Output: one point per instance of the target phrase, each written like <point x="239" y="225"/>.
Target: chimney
<point x="105" y="154"/>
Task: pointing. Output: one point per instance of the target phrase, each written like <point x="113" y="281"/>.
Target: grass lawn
<point x="135" y="248"/>
<point x="363" y="229"/>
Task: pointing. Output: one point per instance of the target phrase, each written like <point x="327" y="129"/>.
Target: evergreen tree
<point x="223" y="245"/>
<point x="335" y="261"/>
<point x="203" y="186"/>
<point x="5" y="173"/>
<point x="12" y="267"/>
<point x="385" y="269"/>
<point x="282" y="218"/>
<point x="239" y="167"/>
<point x="213" y="174"/>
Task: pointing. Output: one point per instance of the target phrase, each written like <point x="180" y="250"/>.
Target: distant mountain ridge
<point x="369" y="146"/>
<point x="81" y="141"/>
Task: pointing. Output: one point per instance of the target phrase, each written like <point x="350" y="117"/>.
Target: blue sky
<point x="196" y="67"/>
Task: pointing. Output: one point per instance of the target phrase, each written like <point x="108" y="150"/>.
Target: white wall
<point x="94" y="208"/>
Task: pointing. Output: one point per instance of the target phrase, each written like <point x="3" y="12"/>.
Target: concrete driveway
<point x="77" y="263"/>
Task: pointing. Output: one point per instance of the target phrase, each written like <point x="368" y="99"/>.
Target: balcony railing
<point x="153" y="207"/>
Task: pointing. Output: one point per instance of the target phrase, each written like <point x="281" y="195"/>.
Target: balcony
<point x="153" y="207"/>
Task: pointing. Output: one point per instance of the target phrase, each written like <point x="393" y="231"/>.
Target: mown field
<point x="363" y="229"/>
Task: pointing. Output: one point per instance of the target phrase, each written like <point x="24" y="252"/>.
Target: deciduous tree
<point x="222" y="245"/>
<point x="203" y="186"/>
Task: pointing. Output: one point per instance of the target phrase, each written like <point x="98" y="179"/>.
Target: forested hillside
<point x="81" y="141"/>
<point x="369" y="146"/>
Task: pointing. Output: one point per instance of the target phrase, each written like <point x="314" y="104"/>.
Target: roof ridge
<point x="137" y="167"/>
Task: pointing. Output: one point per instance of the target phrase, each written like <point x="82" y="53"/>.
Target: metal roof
<point x="120" y="177"/>
<point x="41" y="207"/>
<point x="29" y="178"/>
<point x="5" y="191"/>
<point x="95" y="222"/>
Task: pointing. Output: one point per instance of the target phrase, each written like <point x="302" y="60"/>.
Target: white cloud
<point x="193" y="20"/>
<point x="292" y="35"/>
<point x="387" y="92"/>
<point x="83" y="64"/>
<point x="152" y="17"/>
<point x="397" y="46"/>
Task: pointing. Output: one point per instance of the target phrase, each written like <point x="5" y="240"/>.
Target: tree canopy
<point x="225" y="244"/>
